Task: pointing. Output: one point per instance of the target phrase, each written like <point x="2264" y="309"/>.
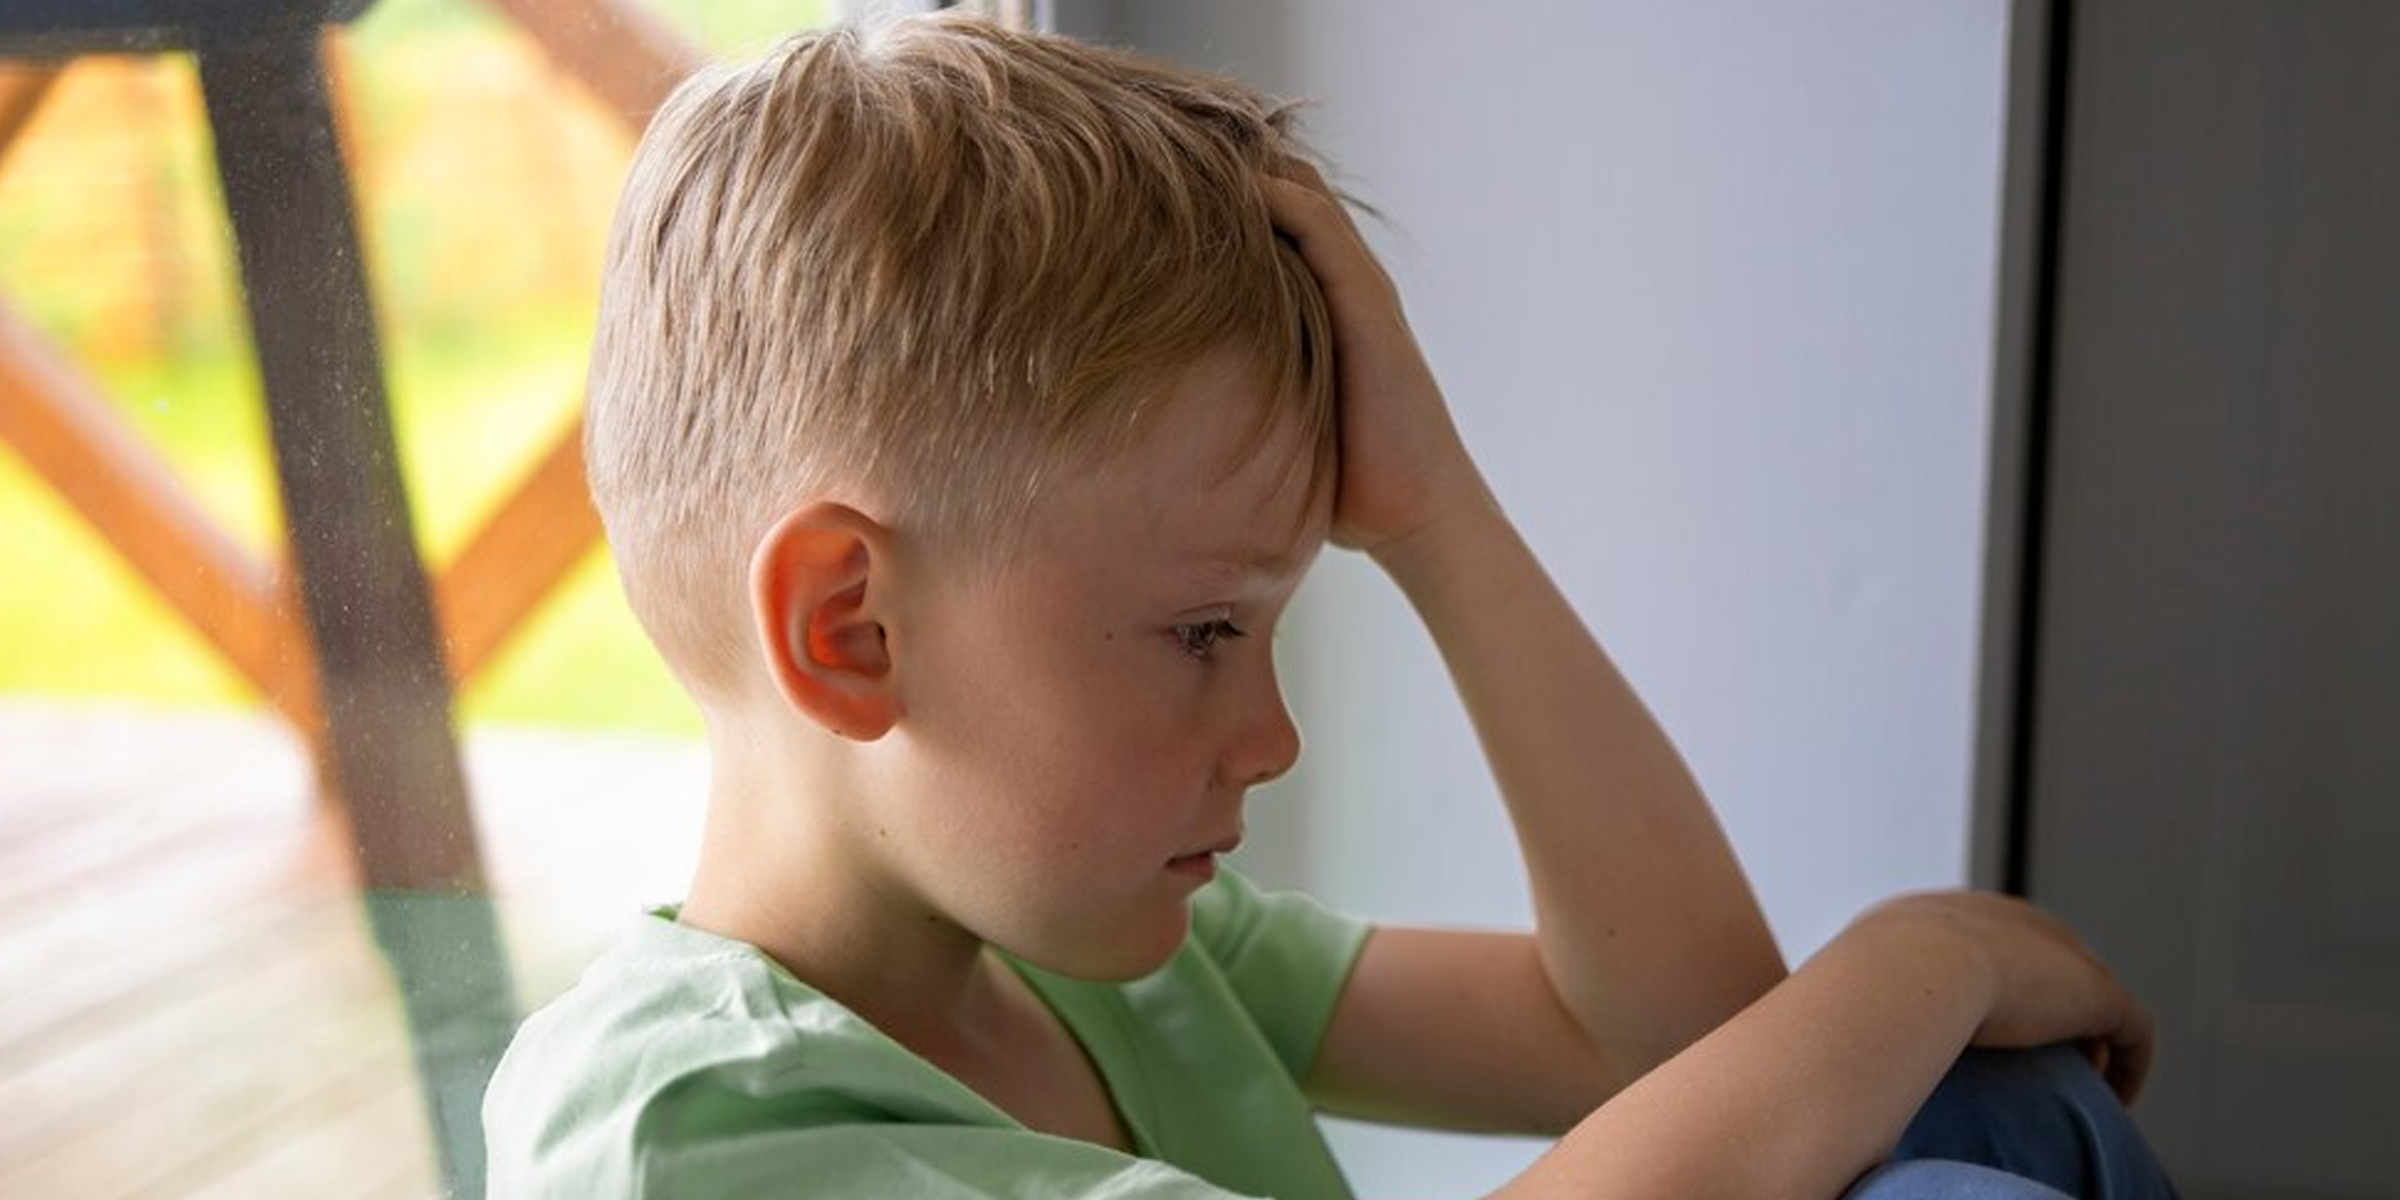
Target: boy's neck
<point x="919" y="978"/>
<point x="773" y="872"/>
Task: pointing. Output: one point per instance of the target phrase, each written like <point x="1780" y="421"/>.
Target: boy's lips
<point x="1224" y="845"/>
<point x="1203" y="862"/>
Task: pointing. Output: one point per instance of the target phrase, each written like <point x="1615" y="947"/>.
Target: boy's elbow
<point x="1759" y="970"/>
<point x="1734" y="982"/>
<point x="1742" y="979"/>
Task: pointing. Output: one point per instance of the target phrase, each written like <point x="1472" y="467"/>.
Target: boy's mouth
<point x="1201" y="866"/>
<point x="1202" y="863"/>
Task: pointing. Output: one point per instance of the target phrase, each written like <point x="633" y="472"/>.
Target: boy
<point x="964" y="413"/>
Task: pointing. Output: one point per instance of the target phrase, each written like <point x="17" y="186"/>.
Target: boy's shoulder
<point x="675" y="1039"/>
<point x="680" y="1054"/>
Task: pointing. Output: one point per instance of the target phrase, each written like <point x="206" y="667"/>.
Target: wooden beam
<point x="624" y="54"/>
<point x="384" y="687"/>
<point x="65" y="430"/>
<point x="531" y="541"/>
<point x="629" y="58"/>
<point x="22" y="90"/>
<point x="334" y="53"/>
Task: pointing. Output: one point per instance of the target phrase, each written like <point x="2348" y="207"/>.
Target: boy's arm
<point x="1647" y="935"/>
<point x="1646" y="932"/>
<point x="1809" y="1087"/>
<point x="1645" y="925"/>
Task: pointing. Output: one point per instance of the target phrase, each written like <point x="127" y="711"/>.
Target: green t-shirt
<point x="685" y="1066"/>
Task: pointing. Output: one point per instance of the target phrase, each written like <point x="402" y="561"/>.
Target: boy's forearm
<point x="1796" y="1096"/>
<point x="1648" y="929"/>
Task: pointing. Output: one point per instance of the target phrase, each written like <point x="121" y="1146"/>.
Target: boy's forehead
<point x="1218" y="423"/>
<point x="1246" y="573"/>
<point x="1213" y="487"/>
<point x="1234" y="542"/>
<point x="1177" y="503"/>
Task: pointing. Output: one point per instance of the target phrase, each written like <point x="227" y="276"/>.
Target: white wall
<point x="1710" y="287"/>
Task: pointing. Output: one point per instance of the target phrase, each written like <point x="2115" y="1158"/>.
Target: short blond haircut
<point x="934" y="259"/>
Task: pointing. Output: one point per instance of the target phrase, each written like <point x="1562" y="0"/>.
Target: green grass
<point x="469" y="416"/>
<point x="485" y="334"/>
<point x="722" y="27"/>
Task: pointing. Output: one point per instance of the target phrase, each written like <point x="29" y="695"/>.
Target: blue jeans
<point x="2019" y="1125"/>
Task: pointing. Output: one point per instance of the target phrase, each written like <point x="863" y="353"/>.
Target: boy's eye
<point x="1200" y="638"/>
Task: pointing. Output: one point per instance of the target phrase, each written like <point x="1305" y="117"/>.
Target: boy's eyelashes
<point x="1200" y="638"/>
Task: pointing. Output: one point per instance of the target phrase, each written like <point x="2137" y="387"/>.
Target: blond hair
<point x="933" y="258"/>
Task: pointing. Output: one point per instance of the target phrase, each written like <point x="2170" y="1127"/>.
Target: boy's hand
<point x="1646" y="935"/>
<point x="2046" y="984"/>
<point x="1403" y="465"/>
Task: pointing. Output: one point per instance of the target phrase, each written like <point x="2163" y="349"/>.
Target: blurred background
<point x="485" y="178"/>
<point x="1970" y="425"/>
<point x="193" y="1000"/>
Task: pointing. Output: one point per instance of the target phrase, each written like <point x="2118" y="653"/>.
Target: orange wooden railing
<point x="63" y="427"/>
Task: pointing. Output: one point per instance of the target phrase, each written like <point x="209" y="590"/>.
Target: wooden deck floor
<point x="190" y="1002"/>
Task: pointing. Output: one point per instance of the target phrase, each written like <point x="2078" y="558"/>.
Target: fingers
<point x="1317" y="223"/>
<point x="2121" y="1046"/>
<point x="2121" y="1051"/>
<point x="2128" y="1064"/>
<point x="1304" y="173"/>
<point x="2095" y="1051"/>
<point x="1301" y="211"/>
<point x="2050" y="986"/>
<point x="2122" y="1057"/>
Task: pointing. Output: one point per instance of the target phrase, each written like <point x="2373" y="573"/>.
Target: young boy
<point x="964" y="413"/>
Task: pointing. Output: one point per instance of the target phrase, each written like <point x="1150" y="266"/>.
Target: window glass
<point x="297" y="987"/>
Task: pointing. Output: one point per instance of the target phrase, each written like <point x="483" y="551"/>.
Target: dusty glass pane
<point x="296" y="911"/>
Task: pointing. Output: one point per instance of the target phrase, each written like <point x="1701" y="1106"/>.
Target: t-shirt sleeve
<point x="1284" y="955"/>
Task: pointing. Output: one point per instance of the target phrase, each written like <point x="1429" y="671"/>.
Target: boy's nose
<point x="1268" y="744"/>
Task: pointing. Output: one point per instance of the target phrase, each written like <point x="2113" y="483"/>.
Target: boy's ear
<point x="817" y="586"/>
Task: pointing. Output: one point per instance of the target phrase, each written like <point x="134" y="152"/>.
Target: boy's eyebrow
<point x="1241" y="562"/>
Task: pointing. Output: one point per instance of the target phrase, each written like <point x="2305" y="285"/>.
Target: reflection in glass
<point x="291" y="329"/>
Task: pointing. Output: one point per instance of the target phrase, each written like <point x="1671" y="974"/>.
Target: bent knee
<point x="1940" y="1179"/>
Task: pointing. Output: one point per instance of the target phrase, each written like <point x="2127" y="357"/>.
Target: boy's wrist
<point x="1917" y="930"/>
<point x="1439" y="546"/>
